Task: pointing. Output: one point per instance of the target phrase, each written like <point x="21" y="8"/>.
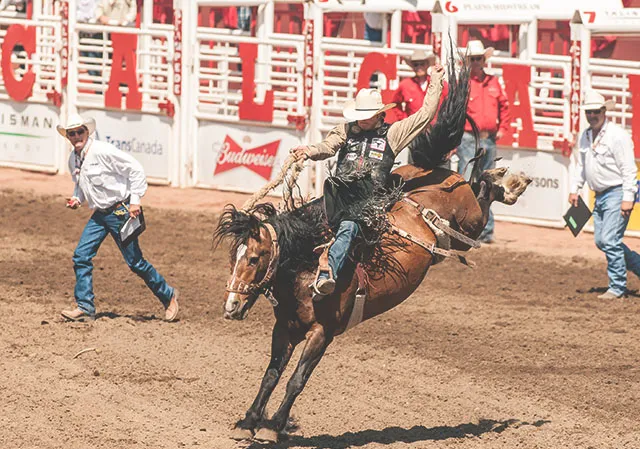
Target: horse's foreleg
<point x="316" y="344"/>
<point x="281" y="350"/>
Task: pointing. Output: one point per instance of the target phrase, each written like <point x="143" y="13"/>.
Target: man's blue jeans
<point x="347" y="232"/>
<point x="465" y="152"/>
<point x="100" y="224"/>
<point x="609" y="227"/>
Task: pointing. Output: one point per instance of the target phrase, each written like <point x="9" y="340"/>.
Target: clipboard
<point x="577" y="216"/>
<point x="132" y="228"/>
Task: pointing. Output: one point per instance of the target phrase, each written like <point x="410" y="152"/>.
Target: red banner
<point x="308" y="63"/>
<point x="177" y="52"/>
<point x="64" y="51"/>
<point x="576" y="86"/>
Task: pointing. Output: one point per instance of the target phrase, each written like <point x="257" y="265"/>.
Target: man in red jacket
<point x="411" y="91"/>
<point x="489" y="108"/>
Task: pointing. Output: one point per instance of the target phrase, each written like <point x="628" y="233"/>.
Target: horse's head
<point x="254" y="258"/>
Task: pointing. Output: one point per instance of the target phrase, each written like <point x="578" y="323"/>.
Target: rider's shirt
<point x="399" y="134"/>
<point x="365" y="152"/>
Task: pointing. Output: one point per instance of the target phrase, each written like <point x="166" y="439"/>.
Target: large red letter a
<point x="124" y="51"/>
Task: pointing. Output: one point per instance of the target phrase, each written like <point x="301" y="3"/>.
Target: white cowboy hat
<point x="593" y="100"/>
<point x="421" y="55"/>
<point x="75" y="121"/>
<point x="368" y="103"/>
<point x="476" y="48"/>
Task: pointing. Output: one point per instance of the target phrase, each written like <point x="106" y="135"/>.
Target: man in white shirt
<point x="112" y="183"/>
<point x="606" y="161"/>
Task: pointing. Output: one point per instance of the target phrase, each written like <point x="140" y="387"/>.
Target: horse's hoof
<point x="266" y="436"/>
<point x="239" y="433"/>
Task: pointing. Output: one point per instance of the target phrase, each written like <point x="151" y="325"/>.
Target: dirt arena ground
<point x="517" y="353"/>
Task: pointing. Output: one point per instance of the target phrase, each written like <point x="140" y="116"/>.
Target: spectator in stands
<point x="489" y="108"/>
<point x="86" y="13"/>
<point x="373" y="26"/>
<point x="117" y="12"/>
<point x="112" y="182"/>
<point x="19" y="6"/>
<point x="605" y="159"/>
<point x="411" y="91"/>
<point x="244" y="18"/>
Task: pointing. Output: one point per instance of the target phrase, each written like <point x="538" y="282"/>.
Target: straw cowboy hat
<point x="476" y="48"/>
<point x="421" y="55"/>
<point x="368" y="103"/>
<point x="593" y="100"/>
<point x="75" y="121"/>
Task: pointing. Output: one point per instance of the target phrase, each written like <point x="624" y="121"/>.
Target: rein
<point x="236" y="285"/>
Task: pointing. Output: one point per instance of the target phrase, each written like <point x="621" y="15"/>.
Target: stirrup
<point x="322" y="287"/>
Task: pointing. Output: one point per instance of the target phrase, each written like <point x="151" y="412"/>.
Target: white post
<point x="314" y="135"/>
<point x="396" y="29"/>
<point x="190" y="68"/>
<point x="265" y="31"/>
<point x="439" y="29"/>
<point x="144" y="44"/>
<point x="528" y="39"/>
<point x="583" y="35"/>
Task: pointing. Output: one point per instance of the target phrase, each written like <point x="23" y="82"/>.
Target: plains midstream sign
<point x="28" y="134"/>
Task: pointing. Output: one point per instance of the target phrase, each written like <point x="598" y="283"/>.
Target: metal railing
<point x="94" y="52"/>
<point x="548" y="92"/>
<point x="611" y="79"/>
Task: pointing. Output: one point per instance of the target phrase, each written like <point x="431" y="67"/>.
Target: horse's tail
<point x="477" y="168"/>
<point x="430" y="149"/>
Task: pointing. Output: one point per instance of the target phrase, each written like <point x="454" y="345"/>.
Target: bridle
<point x="236" y="285"/>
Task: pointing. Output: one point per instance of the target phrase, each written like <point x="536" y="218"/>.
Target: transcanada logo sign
<point x="137" y="146"/>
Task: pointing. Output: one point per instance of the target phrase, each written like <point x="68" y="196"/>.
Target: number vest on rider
<point x="365" y="152"/>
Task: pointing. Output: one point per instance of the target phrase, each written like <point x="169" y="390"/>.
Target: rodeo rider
<point x="366" y="148"/>
<point x="112" y="182"/>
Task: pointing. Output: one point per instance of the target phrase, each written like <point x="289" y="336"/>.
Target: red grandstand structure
<point x="214" y="93"/>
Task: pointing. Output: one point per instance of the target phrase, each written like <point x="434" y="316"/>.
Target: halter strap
<point x="237" y="286"/>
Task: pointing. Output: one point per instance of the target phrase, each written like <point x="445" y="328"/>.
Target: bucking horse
<point x="435" y="215"/>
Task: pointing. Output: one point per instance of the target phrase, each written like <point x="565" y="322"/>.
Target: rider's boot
<point x="333" y="258"/>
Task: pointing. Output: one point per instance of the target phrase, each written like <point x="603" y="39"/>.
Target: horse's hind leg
<point x="281" y="350"/>
<point x="314" y="349"/>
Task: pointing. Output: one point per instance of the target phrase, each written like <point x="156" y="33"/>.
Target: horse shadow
<point x="392" y="435"/>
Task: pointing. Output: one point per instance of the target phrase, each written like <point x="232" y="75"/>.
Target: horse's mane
<point x="430" y="149"/>
<point x="300" y="230"/>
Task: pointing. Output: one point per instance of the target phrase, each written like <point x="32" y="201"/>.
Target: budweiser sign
<point x="259" y="160"/>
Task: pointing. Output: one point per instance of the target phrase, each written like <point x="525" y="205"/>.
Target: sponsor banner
<point x="546" y="197"/>
<point x="480" y="11"/>
<point x="242" y="158"/>
<point x="28" y="134"/>
<point x="146" y="137"/>
<point x="634" y="220"/>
